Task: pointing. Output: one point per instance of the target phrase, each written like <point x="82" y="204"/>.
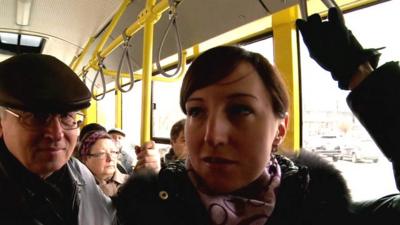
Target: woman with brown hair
<point x="236" y="105"/>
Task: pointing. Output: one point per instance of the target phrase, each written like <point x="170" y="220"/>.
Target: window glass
<point x="9" y="38"/>
<point x="166" y="110"/>
<point x="32" y="41"/>
<point x="131" y="114"/>
<point x="329" y="127"/>
<point x="264" y="47"/>
<point x="106" y="110"/>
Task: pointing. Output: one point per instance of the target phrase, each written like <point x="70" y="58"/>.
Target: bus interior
<point x="132" y="55"/>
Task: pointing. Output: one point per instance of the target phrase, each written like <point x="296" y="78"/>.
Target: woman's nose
<point x="217" y="130"/>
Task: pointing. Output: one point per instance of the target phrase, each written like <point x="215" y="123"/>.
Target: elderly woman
<point x="98" y="151"/>
<point x="236" y="106"/>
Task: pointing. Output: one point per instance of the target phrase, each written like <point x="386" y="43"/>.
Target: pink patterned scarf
<point x="251" y="205"/>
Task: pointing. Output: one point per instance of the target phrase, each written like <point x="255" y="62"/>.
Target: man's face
<point x="179" y="146"/>
<point x="41" y="150"/>
<point x="118" y="138"/>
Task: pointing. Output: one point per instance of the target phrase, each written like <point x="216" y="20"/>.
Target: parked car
<point x="326" y="146"/>
<point x="361" y="151"/>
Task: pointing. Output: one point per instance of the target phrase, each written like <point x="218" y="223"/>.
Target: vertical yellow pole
<point x="147" y="72"/>
<point x="286" y="59"/>
<point x="118" y="108"/>
<point x="91" y="112"/>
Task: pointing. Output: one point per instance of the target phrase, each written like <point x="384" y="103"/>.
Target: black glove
<point x="334" y="47"/>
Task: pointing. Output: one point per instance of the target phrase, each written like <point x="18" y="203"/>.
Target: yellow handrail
<point x="150" y="13"/>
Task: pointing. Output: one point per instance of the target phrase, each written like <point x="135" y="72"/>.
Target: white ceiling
<point x="68" y="24"/>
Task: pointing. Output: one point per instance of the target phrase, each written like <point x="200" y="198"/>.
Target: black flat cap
<point x="41" y="83"/>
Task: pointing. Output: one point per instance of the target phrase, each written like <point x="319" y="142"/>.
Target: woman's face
<point x="230" y="130"/>
<point x="101" y="162"/>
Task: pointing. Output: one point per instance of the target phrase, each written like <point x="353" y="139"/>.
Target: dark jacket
<point x="376" y="103"/>
<point x="311" y="191"/>
<point x="69" y="196"/>
<point x="168" y="158"/>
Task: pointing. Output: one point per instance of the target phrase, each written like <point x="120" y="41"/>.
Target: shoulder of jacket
<point x="314" y="174"/>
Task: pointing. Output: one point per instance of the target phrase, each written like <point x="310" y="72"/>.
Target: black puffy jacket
<point x="312" y="192"/>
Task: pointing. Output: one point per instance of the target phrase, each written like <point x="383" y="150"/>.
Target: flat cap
<point x="116" y="130"/>
<point x="41" y="83"/>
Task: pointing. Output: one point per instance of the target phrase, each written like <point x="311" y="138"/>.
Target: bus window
<point x="106" y="110"/>
<point x="264" y="47"/>
<point x="325" y="112"/>
<point x="166" y="109"/>
<point x="131" y="113"/>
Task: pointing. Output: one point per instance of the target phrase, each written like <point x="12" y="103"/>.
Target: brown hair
<point x="217" y="63"/>
<point x="176" y="129"/>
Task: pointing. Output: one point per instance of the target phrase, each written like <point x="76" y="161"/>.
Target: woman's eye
<point x="240" y="110"/>
<point x="194" y="111"/>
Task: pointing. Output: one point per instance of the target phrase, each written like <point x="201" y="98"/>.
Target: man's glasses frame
<point x="67" y="121"/>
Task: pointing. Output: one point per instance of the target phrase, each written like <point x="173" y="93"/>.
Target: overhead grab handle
<point x="330" y="4"/>
<point x="304" y="10"/>
<point x="173" y="4"/>
<point x="125" y="55"/>
<point x="103" y="81"/>
<point x="84" y="74"/>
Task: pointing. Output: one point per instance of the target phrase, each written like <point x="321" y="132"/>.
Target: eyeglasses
<point x="103" y="155"/>
<point x="68" y="121"/>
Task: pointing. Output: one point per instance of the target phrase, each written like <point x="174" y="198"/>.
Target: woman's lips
<point x="217" y="160"/>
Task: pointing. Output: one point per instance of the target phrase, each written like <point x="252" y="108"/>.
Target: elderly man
<point x="126" y="159"/>
<point x="40" y="99"/>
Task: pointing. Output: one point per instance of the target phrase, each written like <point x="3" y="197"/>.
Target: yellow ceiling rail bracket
<point x="84" y="69"/>
<point x="150" y="13"/>
<point x="79" y="58"/>
<point x="71" y="65"/>
<point x="137" y="76"/>
<point x="84" y="74"/>
<point x="125" y="55"/>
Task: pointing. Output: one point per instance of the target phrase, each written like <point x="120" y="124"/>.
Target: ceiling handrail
<point x="103" y="81"/>
<point x="125" y="54"/>
<point x="84" y="74"/>
<point x="173" y="4"/>
<point x="304" y="10"/>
